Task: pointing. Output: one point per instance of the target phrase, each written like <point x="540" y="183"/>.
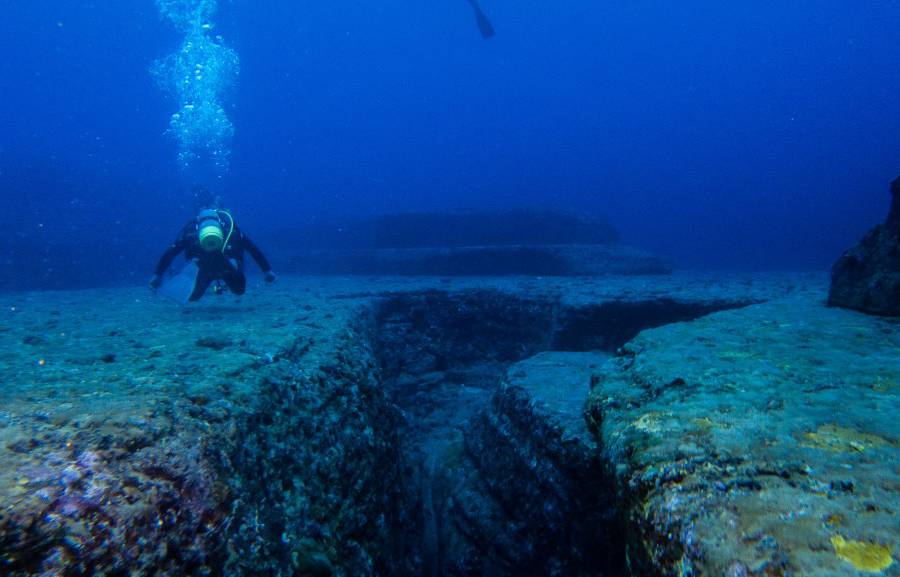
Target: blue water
<point x="747" y="135"/>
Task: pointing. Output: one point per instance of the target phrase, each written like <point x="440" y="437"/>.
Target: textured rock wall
<point x="442" y="355"/>
<point x="756" y="442"/>
<point x="434" y="331"/>
<point x="551" y="498"/>
<point x="141" y="500"/>
<point x="247" y="439"/>
<point x="315" y="467"/>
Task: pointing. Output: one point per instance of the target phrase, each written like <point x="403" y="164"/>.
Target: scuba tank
<point x="211" y="230"/>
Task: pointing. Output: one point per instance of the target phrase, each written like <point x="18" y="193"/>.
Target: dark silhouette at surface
<point x="484" y="25"/>
<point x="215" y="243"/>
<point x="867" y="277"/>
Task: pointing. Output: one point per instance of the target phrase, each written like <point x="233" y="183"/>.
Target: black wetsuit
<point x="227" y="265"/>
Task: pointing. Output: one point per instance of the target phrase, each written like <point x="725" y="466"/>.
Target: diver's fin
<point x="484" y="25"/>
<point x="180" y="287"/>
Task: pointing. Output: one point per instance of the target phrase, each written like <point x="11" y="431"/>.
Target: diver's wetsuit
<point x="227" y="265"/>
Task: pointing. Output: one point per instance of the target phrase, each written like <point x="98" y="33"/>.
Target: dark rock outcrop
<point x="867" y="277"/>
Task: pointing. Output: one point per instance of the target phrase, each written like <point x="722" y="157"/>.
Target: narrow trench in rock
<point x="492" y="485"/>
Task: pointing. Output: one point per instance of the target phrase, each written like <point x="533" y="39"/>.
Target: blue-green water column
<point x="199" y="76"/>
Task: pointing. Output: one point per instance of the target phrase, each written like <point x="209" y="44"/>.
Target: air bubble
<point x="199" y="76"/>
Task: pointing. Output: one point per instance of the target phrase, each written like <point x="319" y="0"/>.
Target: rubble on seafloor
<point x="432" y="426"/>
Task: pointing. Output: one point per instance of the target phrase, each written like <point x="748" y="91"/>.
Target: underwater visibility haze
<point x="739" y="135"/>
<point x="449" y="288"/>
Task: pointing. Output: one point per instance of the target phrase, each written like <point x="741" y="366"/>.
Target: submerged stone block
<point x="268" y="456"/>
<point x="758" y="441"/>
<point x="538" y="463"/>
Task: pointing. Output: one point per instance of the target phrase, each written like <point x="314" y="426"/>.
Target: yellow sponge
<point x="864" y="556"/>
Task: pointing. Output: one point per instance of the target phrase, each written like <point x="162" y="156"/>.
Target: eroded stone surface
<point x="750" y="441"/>
<point x="238" y="435"/>
<point x="129" y="443"/>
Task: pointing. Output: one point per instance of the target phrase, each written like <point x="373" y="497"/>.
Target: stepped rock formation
<point x="867" y="277"/>
<point x="463" y="244"/>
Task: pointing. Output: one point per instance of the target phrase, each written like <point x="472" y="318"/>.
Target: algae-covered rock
<point x="759" y="441"/>
<point x="223" y="438"/>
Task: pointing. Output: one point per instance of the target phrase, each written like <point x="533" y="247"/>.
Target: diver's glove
<point x="270" y="277"/>
<point x="155" y="282"/>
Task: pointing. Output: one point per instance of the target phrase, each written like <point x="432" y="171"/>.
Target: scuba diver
<point x="214" y="243"/>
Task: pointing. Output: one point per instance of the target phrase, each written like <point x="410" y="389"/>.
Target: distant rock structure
<point x="415" y="230"/>
<point x="867" y="277"/>
<point x="465" y="244"/>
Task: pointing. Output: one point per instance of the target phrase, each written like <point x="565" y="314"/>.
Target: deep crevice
<point x="489" y="485"/>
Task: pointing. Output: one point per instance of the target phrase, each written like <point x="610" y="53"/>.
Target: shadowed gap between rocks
<point x="491" y="483"/>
